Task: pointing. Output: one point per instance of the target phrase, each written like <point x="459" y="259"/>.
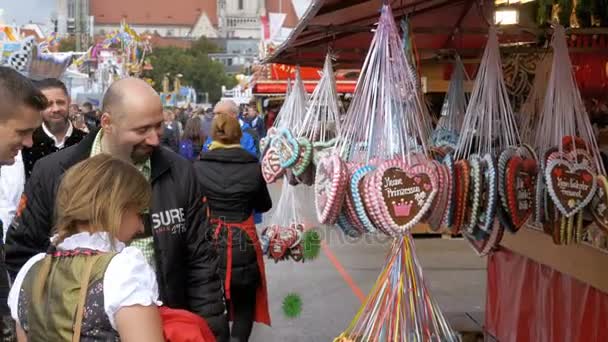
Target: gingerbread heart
<point x="599" y="204"/>
<point x="475" y="193"/>
<point x="489" y="195"/>
<point x="330" y="183"/>
<point x="462" y="172"/>
<point x="404" y="193"/>
<point x="304" y="157"/>
<point x="520" y="181"/>
<point x="287" y="148"/>
<point x="271" y="166"/>
<point x="349" y="205"/>
<point x="369" y="193"/>
<point x="571" y="186"/>
<point x="448" y="218"/>
<point x="503" y="159"/>
<point x="356" y="186"/>
<point x="441" y="200"/>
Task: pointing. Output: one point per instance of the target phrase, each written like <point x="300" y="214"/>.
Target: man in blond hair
<point x="176" y="241"/>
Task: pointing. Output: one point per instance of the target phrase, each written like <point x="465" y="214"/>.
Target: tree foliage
<point x="67" y="44"/>
<point x="198" y="70"/>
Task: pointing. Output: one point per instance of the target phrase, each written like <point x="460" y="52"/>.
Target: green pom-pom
<point x="311" y="244"/>
<point x="292" y="305"/>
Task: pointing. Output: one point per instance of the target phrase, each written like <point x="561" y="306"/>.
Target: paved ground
<point x="455" y="274"/>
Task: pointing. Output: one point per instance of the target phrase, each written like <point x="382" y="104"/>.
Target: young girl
<point x="89" y="286"/>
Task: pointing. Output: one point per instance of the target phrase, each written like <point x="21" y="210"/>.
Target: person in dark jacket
<point x="20" y="106"/>
<point x="56" y="131"/>
<point x="232" y="181"/>
<point x="176" y="241"/>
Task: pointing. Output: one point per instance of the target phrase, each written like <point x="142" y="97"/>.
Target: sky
<point x="22" y="11"/>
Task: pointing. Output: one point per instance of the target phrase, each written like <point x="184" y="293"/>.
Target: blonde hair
<point x="97" y="192"/>
<point x="226" y="129"/>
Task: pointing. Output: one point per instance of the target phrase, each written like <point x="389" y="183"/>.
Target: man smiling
<point x="20" y="106"/>
<point x="176" y="242"/>
<point x="56" y="131"/>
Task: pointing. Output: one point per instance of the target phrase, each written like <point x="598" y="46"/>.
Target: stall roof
<point x="345" y="26"/>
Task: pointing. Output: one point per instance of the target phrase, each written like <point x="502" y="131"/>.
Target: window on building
<point x="169" y="32"/>
<point x="240" y="4"/>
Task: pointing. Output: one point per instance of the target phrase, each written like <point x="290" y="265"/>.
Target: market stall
<point x="536" y="276"/>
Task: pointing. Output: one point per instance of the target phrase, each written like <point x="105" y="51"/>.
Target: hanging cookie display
<point x="487" y="189"/>
<point x="573" y="174"/>
<point x="393" y="185"/>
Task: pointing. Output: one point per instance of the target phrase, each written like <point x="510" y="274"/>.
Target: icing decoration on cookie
<point x="405" y="193"/>
<point x="570" y="186"/>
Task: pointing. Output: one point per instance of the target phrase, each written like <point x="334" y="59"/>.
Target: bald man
<point x="176" y="240"/>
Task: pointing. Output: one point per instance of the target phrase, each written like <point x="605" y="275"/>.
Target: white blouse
<point x="129" y="279"/>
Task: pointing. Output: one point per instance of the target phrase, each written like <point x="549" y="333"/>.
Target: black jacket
<point x="186" y="262"/>
<point x="44" y="145"/>
<point x="233" y="183"/>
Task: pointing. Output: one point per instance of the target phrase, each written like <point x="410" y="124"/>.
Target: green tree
<point x="67" y="44"/>
<point x="198" y="70"/>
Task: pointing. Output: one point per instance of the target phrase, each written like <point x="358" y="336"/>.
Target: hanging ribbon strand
<point x="489" y="124"/>
<point x="322" y="120"/>
<point x="453" y="109"/>
<point x="386" y="116"/>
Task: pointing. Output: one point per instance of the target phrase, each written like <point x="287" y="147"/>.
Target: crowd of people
<point x="132" y="222"/>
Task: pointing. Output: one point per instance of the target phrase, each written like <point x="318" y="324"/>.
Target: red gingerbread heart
<point x="520" y="189"/>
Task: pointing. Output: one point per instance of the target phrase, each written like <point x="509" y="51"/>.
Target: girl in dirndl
<point x="89" y="286"/>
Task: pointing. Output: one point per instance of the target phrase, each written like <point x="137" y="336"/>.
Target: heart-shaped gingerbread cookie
<point x="271" y="166"/>
<point x="404" y="193"/>
<point x="571" y="186"/>
<point x="330" y="183"/>
<point x="287" y="148"/>
<point x="520" y="192"/>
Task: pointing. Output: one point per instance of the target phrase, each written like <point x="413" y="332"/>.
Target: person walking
<point x="232" y="181"/>
<point x="176" y="241"/>
<point x="20" y="106"/>
<point x="88" y="268"/>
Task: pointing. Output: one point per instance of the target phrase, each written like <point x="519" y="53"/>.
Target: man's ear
<point x="106" y="122"/>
